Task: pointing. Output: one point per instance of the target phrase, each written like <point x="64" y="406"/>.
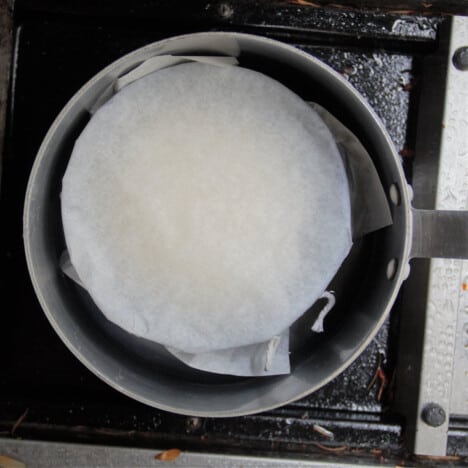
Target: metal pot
<point x="366" y="285"/>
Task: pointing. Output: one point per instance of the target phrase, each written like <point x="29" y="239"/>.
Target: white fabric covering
<point x="205" y="207"/>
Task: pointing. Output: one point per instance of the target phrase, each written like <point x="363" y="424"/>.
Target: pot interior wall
<point x="144" y="370"/>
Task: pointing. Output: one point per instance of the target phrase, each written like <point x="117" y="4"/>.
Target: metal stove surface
<point x="57" y="48"/>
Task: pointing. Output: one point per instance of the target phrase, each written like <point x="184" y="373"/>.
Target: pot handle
<point x="439" y="234"/>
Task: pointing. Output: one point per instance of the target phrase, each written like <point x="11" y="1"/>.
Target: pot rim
<point x="402" y="268"/>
